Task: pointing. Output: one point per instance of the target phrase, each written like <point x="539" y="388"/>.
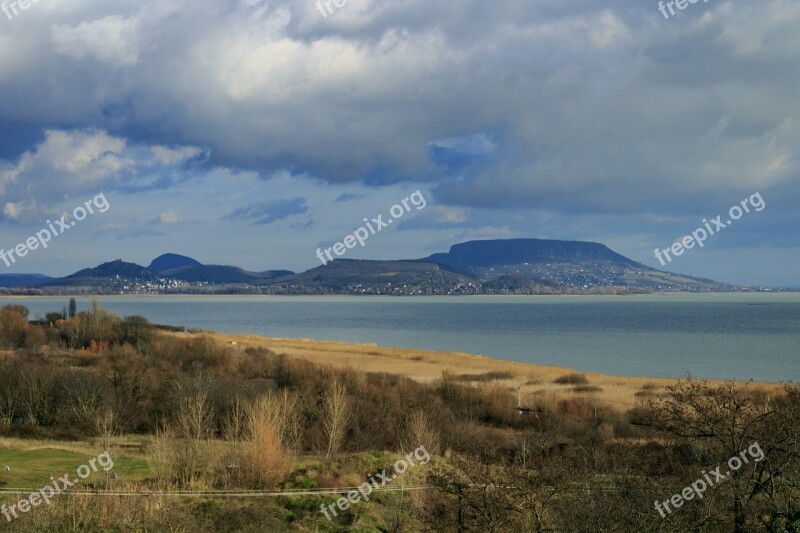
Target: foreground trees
<point x="216" y="417"/>
<point x="728" y="425"/>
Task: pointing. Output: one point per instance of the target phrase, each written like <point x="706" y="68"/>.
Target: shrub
<point x="488" y="376"/>
<point x="587" y="388"/>
<point x="14" y="326"/>
<point x="572" y="379"/>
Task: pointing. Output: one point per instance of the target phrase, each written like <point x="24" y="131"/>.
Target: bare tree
<point x="162" y="455"/>
<point x="478" y="493"/>
<point x="106" y="429"/>
<point x="193" y="426"/>
<point x="267" y="461"/>
<point x="9" y="395"/>
<point x="81" y="397"/>
<point x="422" y="432"/>
<point x="283" y="410"/>
<point x="335" y="418"/>
<point x="719" y="422"/>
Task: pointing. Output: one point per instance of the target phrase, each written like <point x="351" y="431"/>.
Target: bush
<point x="14" y="326"/>
<point x="571" y="379"/>
<point x="96" y="325"/>
<point x="587" y="388"/>
<point x="488" y="376"/>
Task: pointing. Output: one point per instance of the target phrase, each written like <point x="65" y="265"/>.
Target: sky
<point x="252" y="133"/>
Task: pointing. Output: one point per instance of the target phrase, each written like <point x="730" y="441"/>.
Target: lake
<point x="741" y="336"/>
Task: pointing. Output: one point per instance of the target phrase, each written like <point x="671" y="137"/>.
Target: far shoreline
<point x="427" y="366"/>
<point x="90" y="297"/>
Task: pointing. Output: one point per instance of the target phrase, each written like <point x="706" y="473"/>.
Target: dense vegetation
<point x="211" y="417"/>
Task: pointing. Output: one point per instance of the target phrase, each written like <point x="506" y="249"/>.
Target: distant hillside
<point x="222" y="274"/>
<point x="113" y="269"/>
<point x="377" y="277"/>
<point x="515" y="284"/>
<point x="23" y="280"/>
<point x="516" y="266"/>
<point x="565" y="265"/>
<point x="165" y="262"/>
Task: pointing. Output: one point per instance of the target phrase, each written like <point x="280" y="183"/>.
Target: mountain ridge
<point x="500" y="266"/>
<point x="484" y="252"/>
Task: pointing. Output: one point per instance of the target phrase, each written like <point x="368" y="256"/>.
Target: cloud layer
<point x="565" y="119"/>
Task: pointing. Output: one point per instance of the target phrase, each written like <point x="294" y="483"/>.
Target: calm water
<point x="742" y="336"/>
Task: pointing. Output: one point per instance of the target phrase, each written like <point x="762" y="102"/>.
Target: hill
<point x="223" y="274"/>
<point x="118" y="269"/>
<point x="23" y="280"/>
<point x="166" y="262"/>
<point x="354" y="276"/>
<point x="515" y="266"/>
<point x="565" y="265"/>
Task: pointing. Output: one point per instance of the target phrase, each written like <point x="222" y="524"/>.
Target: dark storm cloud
<point x="580" y="118"/>
<point x="599" y="108"/>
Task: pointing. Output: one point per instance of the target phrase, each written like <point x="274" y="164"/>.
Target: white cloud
<point x="72" y="164"/>
<point x="169" y="217"/>
<point x="12" y="210"/>
<point x="112" y="40"/>
<point x="451" y="215"/>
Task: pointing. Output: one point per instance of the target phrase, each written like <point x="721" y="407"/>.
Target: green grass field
<point x="33" y="468"/>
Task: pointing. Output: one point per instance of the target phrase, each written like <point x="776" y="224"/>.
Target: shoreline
<point x="426" y="366"/>
<point x="455" y="297"/>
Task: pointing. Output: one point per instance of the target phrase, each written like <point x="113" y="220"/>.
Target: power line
<point x="220" y="494"/>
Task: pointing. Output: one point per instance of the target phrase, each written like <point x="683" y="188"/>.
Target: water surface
<point x="742" y="336"/>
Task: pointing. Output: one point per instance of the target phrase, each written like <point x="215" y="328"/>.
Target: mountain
<point x="353" y="276"/>
<point x="565" y="265"/>
<point x="118" y="269"/>
<point x="481" y="254"/>
<point x="23" y="280"/>
<point x="113" y="277"/>
<point x="165" y="262"/>
<point x="222" y="274"/>
<point x="182" y="268"/>
<point x="515" y="284"/>
<point x="515" y="266"/>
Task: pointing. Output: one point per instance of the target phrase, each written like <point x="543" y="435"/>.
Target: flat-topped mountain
<point x="478" y="254"/>
<point x="565" y="266"/>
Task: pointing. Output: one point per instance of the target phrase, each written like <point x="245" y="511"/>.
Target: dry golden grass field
<point x="427" y="366"/>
